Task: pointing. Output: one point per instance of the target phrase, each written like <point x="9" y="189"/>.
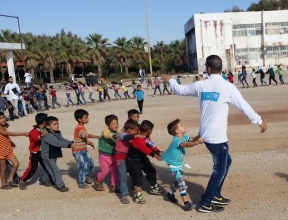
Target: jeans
<point x="85" y="164"/>
<point x="40" y="105"/>
<point x="281" y="79"/>
<point x="100" y="97"/>
<point x="123" y="177"/>
<point x="126" y="94"/>
<point x="54" y="101"/>
<point x="90" y="97"/>
<point x="244" y="80"/>
<point x="68" y="95"/>
<point x="78" y="99"/>
<point x="262" y="81"/>
<point x="117" y="94"/>
<point x="83" y="97"/>
<point x="24" y="107"/>
<point x="28" y="84"/>
<point x="222" y="162"/>
<point x="157" y="87"/>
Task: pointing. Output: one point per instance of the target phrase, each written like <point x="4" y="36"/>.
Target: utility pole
<point x="148" y="37"/>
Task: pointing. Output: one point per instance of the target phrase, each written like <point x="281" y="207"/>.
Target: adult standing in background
<point x="28" y="78"/>
<point x="13" y="90"/>
<point x="215" y="95"/>
<point x="271" y="73"/>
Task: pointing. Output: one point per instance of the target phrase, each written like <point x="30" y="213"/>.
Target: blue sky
<point x="112" y="18"/>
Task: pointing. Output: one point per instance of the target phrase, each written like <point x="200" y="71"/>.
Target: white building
<point x="239" y="38"/>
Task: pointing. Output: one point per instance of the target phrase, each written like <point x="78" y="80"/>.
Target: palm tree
<point x="8" y="36"/>
<point x="160" y="51"/>
<point x="123" y="53"/>
<point x="138" y="43"/>
<point x="97" y="50"/>
<point x="178" y="52"/>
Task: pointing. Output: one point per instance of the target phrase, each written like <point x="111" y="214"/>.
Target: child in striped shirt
<point x="79" y="151"/>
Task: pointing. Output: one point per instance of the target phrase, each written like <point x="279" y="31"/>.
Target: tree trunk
<point x="99" y="67"/>
<point x="51" y="76"/>
<point x="121" y="67"/>
<point x="32" y="73"/>
<point x="126" y="70"/>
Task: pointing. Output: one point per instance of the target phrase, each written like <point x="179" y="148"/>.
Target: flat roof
<point x="10" y="46"/>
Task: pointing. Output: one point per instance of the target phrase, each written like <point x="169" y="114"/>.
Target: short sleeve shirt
<point x="174" y="155"/>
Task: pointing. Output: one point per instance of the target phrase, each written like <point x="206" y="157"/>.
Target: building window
<point x="245" y="26"/>
<point x="279" y="24"/>
<point x="240" y="30"/>
<point x="239" y="33"/>
<point x="277" y="52"/>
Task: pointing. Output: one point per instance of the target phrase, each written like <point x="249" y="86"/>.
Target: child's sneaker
<point x="83" y="186"/>
<point x="139" y="199"/>
<point x="22" y="185"/>
<point x="171" y="198"/>
<point x="88" y="180"/>
<point x="63" y="189"/>
<point x="156" y="190"/>
<point x="99" y="186"/>
<point x="124" y="200"/>
<point x="188" y="206"/>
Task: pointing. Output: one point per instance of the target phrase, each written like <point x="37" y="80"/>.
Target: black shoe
<point x="171" y="198"/>
<point x="48" y="184"/>
<point x="63" y="189"/>
<point x="220" y="201"/>
<point x="188" y="206"/>
<point x="210" y="208"/>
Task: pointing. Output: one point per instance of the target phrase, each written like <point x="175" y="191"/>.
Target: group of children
<point x="120" y="151"/>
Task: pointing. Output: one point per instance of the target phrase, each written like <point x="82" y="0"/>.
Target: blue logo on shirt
<point x="210" y="96"/>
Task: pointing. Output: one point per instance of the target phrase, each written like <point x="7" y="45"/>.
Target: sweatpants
<point x="34" y="159"/>
<point x="54" y="171"/>
<point x="108" y="163"/>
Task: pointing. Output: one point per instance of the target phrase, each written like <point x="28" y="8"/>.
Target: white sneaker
<point x="153" y="95"/>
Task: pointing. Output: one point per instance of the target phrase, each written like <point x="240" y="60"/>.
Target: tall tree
<point x="178" y="52"/>
<point x="97" y="50"/>
<point x="138" y="43"/>
<point x="160" y="51"/>
<point x="31" y="53"/>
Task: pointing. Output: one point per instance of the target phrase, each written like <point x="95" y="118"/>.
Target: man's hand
<point x="200" y="141"/>
<point x="263" y="127"/>
<point x="165" y="77"/>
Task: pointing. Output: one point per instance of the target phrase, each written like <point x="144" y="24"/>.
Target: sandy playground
<point x="257" y="183"/>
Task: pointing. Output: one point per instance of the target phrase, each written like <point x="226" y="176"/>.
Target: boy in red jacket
<point x="36" y="134"/>
<point x="137" y="153"/>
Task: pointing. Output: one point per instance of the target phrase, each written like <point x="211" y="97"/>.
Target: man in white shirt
<point x="13" y="90"/>
<point x="28" y="78"/>
<point x="215" y="94"/>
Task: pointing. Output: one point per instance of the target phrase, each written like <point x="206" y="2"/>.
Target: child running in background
<point x="165" y="88"/>
<point x="68" y="89"/>
<point x="121" y="150"/>
<point x="253" y="74"/>
<point x="6" y="153"/>
<point x="137" y="153"/>
<point x="36" y="134"/>
<point x="79" y="151"/>
<point x="54" y="97"/>
<point x="125" y="90"/>
<point x="51" y="145"/>
<point x="99" y="90"/>
<point x="174" y="157"/>
<point x="107" y="161"/>
<point x="139" y="94"/>
<point x="116" y="94"/>
<point x="90" y="90"/>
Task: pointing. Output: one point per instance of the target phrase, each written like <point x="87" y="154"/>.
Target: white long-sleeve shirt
<point x="9" y="87"/>
<point x="215" y="94"/>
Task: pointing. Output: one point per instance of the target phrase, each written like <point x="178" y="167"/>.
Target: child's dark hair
<point x="110" y="118"/>
<point x="130" y="124"/>
<point x="50" y="119"/>
<point x="40" y="118"/>
<point x="139" y="86"/>
<point x="253" y="70"/>
<point x="80" y="83"/>
<point x="65" y="84"/>
<point x="132" y="112"/>
<point x="1" y="113"/>
<point x="43" y="91"/>
<point x="120" y="84"/>
<point x="37" y="89"/>
<point x="50" y="87"/>
<point x="172" y="127"/>
<point x="79" y="113"/>
<point x="146" y="125"/>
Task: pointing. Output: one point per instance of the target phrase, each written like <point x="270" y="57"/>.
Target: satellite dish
<point x="281" y="31"/>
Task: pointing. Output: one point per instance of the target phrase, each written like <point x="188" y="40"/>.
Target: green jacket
<point x="107" y="142"/>
<point x="271" y="72"/>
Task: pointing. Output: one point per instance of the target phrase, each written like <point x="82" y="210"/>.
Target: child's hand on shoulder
<point x="158" y="157"/>
<point x="43" y="134"/>
<point x="26" y="134"/>
<point x="91" y="144"/>
<point x="73" y="145"/>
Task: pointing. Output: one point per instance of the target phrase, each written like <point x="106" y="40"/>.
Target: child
<point x="157" y="86"/>
<point x="82" y="91"/>
<point x="90" y="90"/>
<point x="28" y="106"/>
<point x="116" y="94"/>
<point x="149" y="81"/>
<point x="10" y="108"/>
<point x="107" y="161"/>
<point x="174" y="157"/>
<point x="100" y="90"/>
<point x="279" y="71"/>
<point x="178" y="80"/>
<point x="6" y="153"/>
<point x="134" y="86"/>
<point x="51" y="145"/>
<point x="45" y="98"/>
<point x="79" y="151"/>
<point x="68" y="94"/>
<point x="125" y="90"/>
<point x="39" y="100"/>
<point x="165" y="88"/>
<point x="77" y="93"/>
<point x="121" y="150"/>
<point x="3" y="103"/>
<point x="36" y="134"/>
<point x="54" y="98"/>
<point x="139" y="93"/>
<point x="136" y="160"/>
<point x="254" y="78"/>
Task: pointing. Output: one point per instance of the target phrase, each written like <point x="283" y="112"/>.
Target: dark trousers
<point x="222" y="162"/>
<point x="100" y="97"/>
<point x="54" y="172"/>
<point x="165" y="89"/>
<point x="78" y="99"/>
<point x="106" y="94"/>
<point x="34" y="159"/>
<point x="140" y="104"/>
<point x="46" y="103"/>
<point x="254" y="82"/>
<point x="272" y="78"/>
<point x="33" y="104"/>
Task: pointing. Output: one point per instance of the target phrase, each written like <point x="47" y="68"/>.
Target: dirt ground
<point x="257" y="182"/>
